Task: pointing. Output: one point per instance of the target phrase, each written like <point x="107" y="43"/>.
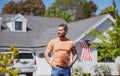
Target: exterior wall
<point x="43" y="69"/>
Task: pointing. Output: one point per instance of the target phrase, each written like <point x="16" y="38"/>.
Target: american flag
<point x="86" y="51"/>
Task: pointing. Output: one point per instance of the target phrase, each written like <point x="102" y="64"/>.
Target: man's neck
<point x="62" y="38"/>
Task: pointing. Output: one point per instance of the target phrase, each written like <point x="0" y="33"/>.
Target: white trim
<point x="17" y="16"/>
<point x="0" y="18"/>
<point x="0" y="22"/>
<point x="94" y="26"/>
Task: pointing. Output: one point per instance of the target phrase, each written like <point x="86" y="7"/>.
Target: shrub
<point x="6" y="61"/>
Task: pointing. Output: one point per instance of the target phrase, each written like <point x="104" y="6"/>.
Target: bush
<point x="102" y="70"/>
<point x="118" y="68"/>
<point x="6" y="62"/>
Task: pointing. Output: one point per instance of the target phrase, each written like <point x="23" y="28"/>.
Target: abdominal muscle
<point x="61" y="58"/>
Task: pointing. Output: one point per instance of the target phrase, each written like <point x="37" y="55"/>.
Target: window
<point x="41" y="55"/>
<point x="24" y="56"/>
<point x="18" y="25"/>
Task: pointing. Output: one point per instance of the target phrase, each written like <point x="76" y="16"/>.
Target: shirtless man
<point x="61" y="47"/>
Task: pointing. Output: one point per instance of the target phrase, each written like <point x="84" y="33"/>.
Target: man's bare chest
<point x="65" y="46"/>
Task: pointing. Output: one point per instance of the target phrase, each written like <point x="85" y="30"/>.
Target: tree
<point x="109" y="45"/>
<point x="27" y="7"/>
<point x="74" y="9"/>
<point x="114" y="3"/>
<point x="54" y="12"/>
<point x="85" y="10"/>
<point x="109" y="10"/>
<point x="6" y="61"/>
<point x="9" y="7"/>
<point x="57" y="14"/>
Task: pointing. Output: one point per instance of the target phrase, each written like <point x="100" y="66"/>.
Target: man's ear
<point x="66" y="32"/>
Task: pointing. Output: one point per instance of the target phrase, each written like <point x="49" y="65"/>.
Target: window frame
<point x="41" y="55"/>
<point x="18" y="25"/>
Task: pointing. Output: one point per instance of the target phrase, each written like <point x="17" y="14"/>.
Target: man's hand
<point x="53" y="66"/>
<point x="69" y="65"/>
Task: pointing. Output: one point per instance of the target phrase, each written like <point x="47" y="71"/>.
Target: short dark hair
<point x="64" y="25"/>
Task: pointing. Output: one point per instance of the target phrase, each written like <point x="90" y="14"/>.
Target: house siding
<point x="43" y="68"/>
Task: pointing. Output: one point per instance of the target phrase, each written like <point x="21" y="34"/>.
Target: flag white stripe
<point x="86" y="51"/>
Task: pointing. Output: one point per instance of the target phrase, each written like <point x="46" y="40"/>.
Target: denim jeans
<point x="58" y="71"/>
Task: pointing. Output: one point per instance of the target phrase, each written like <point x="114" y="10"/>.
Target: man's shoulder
<point x="71" y="42"/>
<point x="54" y="39"/>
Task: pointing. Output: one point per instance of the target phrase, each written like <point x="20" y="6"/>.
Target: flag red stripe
<point x="86" y="51"/>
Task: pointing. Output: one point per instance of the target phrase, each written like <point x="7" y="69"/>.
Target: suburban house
<point x="32" y="33"/>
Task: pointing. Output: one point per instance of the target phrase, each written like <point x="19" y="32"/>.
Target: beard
<point x="61" y="35"/>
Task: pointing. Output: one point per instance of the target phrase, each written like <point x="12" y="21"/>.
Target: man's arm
<point x="47" y="57"/>
<point x="74" y="53"/>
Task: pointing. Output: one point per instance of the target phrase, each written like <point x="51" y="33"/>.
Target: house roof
<point x="35" y="27"/>
<point x="84" y="26"/>
<point x="40" y="30"/>
<point x="76" y="30"/>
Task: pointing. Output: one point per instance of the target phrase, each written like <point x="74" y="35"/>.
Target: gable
<point x="19" y="17"/>
<point x="102" y="24"/>
<point x="18" y="23"/>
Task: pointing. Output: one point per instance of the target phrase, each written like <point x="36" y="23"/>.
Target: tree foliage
<point x="25" y="7"/>
<point x="6" y="61"/>
<point x="109" y="45"/>
<point x="9" y="8"/>
<point x="71" y="9"/>
<point x="114" y="3"/>
<point x="109" y="10"/>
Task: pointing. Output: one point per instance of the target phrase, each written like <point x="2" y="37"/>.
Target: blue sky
<point x="101" y="4"/>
